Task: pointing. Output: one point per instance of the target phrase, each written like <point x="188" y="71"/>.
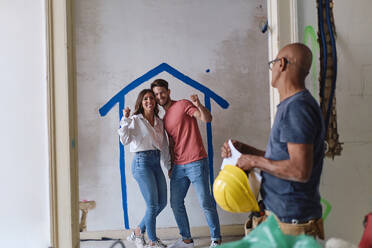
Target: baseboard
<point x="165" y="233"/>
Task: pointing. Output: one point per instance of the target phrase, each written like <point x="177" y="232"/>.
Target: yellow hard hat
<point x="232" y="192"/>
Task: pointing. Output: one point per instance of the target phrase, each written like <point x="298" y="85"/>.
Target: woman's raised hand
<point x="126" y="112"/>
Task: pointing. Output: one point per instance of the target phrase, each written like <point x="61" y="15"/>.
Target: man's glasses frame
<point x="271" y="63"/>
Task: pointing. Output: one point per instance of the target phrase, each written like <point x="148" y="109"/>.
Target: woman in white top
<point x="145" y="133"/>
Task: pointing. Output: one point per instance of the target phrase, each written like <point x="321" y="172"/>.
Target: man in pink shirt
<point x="190" y="163"/>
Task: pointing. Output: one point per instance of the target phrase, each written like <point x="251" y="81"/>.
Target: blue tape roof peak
<point x="152" y="73"/>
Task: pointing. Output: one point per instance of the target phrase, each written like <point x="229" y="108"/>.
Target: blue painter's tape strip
<point x="122" y="173"/>
<point x="150" y="74"/>
<point x="207" y="101"/>
<point x="117" y="98"/>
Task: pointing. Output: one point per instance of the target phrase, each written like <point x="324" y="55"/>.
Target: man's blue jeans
<point x="150" y="178"/>
<point x="196" y="173"/>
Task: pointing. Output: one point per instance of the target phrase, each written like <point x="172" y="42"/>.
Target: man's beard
<point x="166" y="102"/>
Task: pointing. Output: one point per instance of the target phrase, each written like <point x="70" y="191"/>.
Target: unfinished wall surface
<point x="346" y="181"/>
<point x="24" y="208"/>
<point x="216" y="43"/>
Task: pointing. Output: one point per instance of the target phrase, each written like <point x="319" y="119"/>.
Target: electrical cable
<point x="324" y="46"/>
<point x="118" y="242"/>
<point x="334" y="57"/>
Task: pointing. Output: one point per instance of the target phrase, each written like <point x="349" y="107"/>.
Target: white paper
<point x="235" y="155"/>
<point x="254" y="175"/>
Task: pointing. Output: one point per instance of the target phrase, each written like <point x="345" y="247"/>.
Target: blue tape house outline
<point x="120" y="98"/>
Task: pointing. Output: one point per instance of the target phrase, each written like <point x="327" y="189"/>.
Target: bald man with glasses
<point x="292" y="164"/>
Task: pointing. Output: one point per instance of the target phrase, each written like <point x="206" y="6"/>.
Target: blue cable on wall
<point x="334" y="57"/>
<point x="324" y="46"/>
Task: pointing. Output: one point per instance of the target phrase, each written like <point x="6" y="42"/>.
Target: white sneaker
<point x="139" y="241"/>
<point x="214" y="244"/>
<point x="157" y="244"/>
<point x="181" y="244"/>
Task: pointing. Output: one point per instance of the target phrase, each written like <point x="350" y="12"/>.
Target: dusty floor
<point x="199" y="242"/>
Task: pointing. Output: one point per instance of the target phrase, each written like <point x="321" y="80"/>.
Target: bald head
<point x="298" y="55"/>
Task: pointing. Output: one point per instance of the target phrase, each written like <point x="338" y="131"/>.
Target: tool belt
<point x="313" y="228"/>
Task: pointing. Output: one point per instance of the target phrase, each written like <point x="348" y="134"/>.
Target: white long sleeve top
<point x="141" y="136"/>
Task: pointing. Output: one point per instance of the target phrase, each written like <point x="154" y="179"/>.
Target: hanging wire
<point x="324" y="50"/>
<point x="117" y="242"/>
<point x="334" y="57"/>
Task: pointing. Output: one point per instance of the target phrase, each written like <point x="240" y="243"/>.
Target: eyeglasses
<point x="271" y="63"/>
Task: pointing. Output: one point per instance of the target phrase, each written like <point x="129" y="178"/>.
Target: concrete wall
<point x="119" y="41"/>
<point x="24" y="208"/>
<point x="346" y="181"/>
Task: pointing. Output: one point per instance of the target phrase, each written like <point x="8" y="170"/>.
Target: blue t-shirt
<point x="298" y="120"/>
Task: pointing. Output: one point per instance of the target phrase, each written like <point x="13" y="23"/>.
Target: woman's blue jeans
<point x="150" y="178"/>
<point x="196" y="173"/>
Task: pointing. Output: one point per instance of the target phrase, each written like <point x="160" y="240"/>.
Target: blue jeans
<point x="196" y="173"/>
<point x="150" y="178"/>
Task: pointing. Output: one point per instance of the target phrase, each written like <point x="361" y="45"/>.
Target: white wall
<point x="119" y="41"/>
<point x="24" y="208"/>
<point x="346" y="181"/>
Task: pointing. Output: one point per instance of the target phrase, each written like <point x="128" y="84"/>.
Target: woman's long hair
<point x="138" y="109"/>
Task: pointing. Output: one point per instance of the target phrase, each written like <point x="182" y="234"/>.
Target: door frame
<point x="62" y="108"/>
<point x="283" y="29"/>
<point x="62" y="132"/>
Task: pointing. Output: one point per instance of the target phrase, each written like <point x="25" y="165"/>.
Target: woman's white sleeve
<point x="165" y="158"/>
<point x="126" y="130"/>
